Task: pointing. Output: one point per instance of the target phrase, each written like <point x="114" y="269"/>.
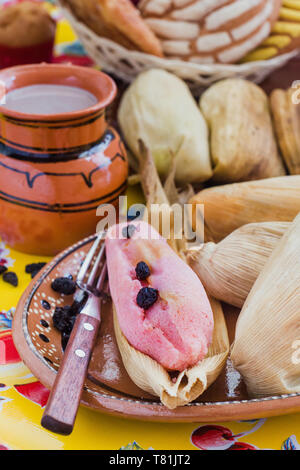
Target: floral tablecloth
<point x="22" y="397"/>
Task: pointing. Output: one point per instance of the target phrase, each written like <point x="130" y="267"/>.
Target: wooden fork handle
<point x="61" y="410"/>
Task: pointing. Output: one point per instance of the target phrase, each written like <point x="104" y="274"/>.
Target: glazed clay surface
<point x="56" y="170"/>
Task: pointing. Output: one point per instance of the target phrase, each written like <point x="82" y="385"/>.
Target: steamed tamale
<point x="228" y="207"/>
<point x="186" y="385"/>
<point x="243" y="145"/>
<point x="229" y="269"/>
<point x="266" y="349"/>
<point x="286" y="113"/>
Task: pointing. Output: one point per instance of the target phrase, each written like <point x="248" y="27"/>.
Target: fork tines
<point x="92" y="268"/>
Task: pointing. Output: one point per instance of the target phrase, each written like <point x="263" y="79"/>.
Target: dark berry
<point x="67" y="310"/>
<point x="11" y="278"/>
<point x="63" y="320"/>
<point x="3" y="269"/>
<point x="142" y="271"/>
<point x="64" y="285"/>
<point x="146" y="297"/>
<point x="34" y="268"/>
<point x="59" y="321"/>
<point x="29" y="268"/>
<point x="128" y="231"/>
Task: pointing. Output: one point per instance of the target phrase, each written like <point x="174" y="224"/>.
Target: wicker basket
<point x="127" y="64"/>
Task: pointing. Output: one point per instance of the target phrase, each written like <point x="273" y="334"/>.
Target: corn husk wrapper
<point x="150" y="376"/>
<point x="266" y="350"/>
<point x="158" y="197"/>
<point x="286" y="114"/>
<point x="229" y="269"/>
<point x="147" y="373"/>
<point x="234" y="205"/>
<point x="159" y="109"/>
<point x="243" y="145"/>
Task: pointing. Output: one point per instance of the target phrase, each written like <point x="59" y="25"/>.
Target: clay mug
<point x="55" y="170"/>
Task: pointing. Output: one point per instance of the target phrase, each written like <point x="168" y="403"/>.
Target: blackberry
<point x="3" y="269"/>
<point x="34" y="268"/>
<point x="11" y="278"/>
<point x="142" y="271"/>
<point x="146" y="297"/>
<point x="128" y="231"/>
<point x="64" y="285"/>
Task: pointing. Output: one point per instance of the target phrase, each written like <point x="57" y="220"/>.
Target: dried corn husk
<point x="243" y="145"/>
<point x="148" y="374"/>
<point x="159" y="109"/>
<point x="229" y="269"/>
<point x="234" y="205"/>
<point x="286" y="114"/>
<point x="266" y="349"/>
<point x="158" y="197"/>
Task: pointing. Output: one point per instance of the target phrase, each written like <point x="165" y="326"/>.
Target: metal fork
<point x="62" y="407"/>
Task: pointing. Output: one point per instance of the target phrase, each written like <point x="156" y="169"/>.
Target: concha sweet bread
<point x="118" y="20"/>
<point x="25" y="24"/>
<point x="208" y="31"/>
<point x="285" y="35"/>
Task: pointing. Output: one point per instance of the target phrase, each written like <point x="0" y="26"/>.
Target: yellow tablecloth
<point x="22" y="397"/>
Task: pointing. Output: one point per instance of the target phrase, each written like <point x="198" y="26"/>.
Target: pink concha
<point x="177" y="330"/>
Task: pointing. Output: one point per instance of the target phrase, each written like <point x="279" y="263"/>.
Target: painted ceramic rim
<point x="65" y="71"/>
<point x="32" y="348"/>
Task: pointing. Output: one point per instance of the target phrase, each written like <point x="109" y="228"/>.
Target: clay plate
<point x="108" y="387"/>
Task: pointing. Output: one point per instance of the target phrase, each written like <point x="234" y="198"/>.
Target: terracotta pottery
<point x="56" y="170"/>
<point x="108" y="387"/>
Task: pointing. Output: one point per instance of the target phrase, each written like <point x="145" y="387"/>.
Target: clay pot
<point x="56" y="170"/>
